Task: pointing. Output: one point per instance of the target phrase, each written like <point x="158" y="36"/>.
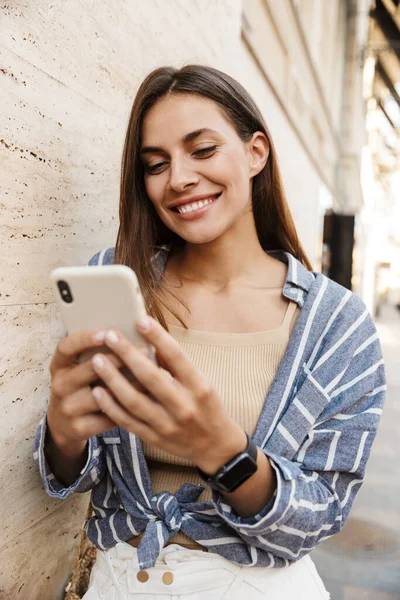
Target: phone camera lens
<point x="65" y="291"/>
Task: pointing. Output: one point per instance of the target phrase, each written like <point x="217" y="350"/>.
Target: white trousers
<point x="183" y="574"/>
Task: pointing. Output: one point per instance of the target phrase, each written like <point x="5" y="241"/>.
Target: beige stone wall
<point x="68" y="73"/>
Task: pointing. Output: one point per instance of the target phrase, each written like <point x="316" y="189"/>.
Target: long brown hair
<point x="141" y="229"/>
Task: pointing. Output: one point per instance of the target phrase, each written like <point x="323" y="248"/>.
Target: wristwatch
<point x="236" y="471"/>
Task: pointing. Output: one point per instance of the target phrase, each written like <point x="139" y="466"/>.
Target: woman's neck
<point x="225" y="262"/>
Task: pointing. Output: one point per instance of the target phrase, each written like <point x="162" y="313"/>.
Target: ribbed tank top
<point x="241" y="368"/>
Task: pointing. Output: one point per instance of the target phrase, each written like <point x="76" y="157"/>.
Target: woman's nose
<point x="182" y="175"/>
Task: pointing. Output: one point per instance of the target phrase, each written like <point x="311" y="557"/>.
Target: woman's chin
<point x="193" y="233"/>
<point x="200" y="237"/>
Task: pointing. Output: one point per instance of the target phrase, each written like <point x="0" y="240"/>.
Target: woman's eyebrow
<point x="189" y="137"/>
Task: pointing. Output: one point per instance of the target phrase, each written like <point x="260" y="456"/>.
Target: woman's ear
<point x="258" y="148"/>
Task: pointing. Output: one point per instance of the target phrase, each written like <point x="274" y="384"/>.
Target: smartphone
<point x="104" y="297"/>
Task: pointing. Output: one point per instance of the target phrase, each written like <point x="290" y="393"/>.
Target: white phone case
<point x="104" y="297"/>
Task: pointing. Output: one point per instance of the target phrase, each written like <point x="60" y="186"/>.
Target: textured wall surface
<point x="68" y="74"/>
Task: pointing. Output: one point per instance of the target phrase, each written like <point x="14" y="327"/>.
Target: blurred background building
<point x="331" y="66"/>
<point x="379" y="232"/>
<point x="325" y="74"/>
<point x="310" y="53"/>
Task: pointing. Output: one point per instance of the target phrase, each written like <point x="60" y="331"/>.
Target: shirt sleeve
<point x="93" y="471"/>
<point x="317" y="484"/>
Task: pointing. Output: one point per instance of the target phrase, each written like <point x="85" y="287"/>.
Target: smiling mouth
<point x="193" y="206"/>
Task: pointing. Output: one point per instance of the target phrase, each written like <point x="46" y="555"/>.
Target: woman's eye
<point x="155" y="168"/>
<point x="202" y="153"/>
<point x="205" y="151"/>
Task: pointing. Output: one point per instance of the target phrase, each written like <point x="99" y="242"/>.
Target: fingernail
<point x="112" y="337"/>
<point x="144" y="324"/>
<point x="99" y="336"/>
<point x="97" y="393"/>
<point x="99" y="362"/>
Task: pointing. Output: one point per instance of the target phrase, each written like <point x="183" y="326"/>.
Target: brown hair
<point x="141" y="229"/>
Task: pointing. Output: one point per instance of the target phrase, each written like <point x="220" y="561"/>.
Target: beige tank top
<point x="241" y="368"/>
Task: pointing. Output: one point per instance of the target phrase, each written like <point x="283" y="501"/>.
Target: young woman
<point x="214" y="474"/>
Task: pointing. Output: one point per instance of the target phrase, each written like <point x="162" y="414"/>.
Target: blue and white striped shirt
<point x="317" y="425"/>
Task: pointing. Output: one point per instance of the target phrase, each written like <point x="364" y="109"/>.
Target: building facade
<point x="378" y="258"/>
<point x="310" y="58"/>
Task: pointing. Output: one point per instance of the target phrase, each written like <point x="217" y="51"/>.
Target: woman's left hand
<point x="183" y="415"/>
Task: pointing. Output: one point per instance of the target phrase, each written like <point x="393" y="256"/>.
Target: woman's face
<point x="197" y="170"/>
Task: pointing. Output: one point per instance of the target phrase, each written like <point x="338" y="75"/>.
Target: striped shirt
<point x="317" y="425"/>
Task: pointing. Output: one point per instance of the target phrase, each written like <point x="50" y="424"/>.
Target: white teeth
<point x="194" y="206"/>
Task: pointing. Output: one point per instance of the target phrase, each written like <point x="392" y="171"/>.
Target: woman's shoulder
<point x="344" y="305"/>
<point x="340" y="324"/>
<point x="341" y="345"/>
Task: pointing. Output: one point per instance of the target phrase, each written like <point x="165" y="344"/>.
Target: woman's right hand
<point x="73" y="415"/>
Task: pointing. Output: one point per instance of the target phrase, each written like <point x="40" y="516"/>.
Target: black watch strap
<point x="236" y="471"/>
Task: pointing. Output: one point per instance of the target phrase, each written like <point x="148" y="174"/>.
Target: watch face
<point x="238" y="472"/>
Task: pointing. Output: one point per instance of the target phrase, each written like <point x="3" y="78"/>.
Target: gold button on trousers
<point x="168" y="578"/>
<point x="142" y="576"/>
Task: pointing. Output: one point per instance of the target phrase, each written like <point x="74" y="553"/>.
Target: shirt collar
<point x="298" y="278"/>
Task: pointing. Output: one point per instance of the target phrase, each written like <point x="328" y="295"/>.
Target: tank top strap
<point x="291" y="309"/>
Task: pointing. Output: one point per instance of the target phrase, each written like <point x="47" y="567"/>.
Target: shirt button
<point x="142" y="576"/>
<point x="168" y="578"/>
